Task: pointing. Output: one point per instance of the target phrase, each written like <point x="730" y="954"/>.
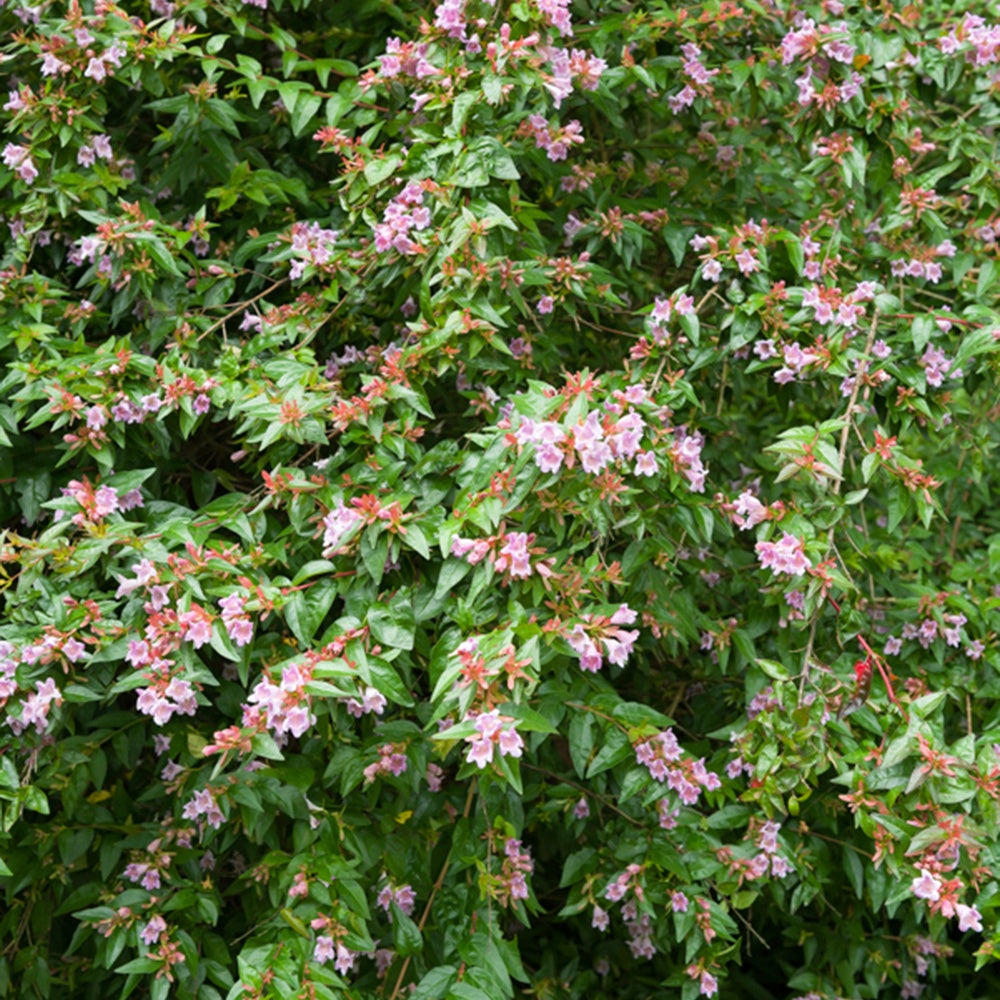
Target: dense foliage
<point x="496" y="499"/>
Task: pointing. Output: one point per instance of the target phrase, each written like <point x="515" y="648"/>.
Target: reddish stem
<point x="885" y="674"/>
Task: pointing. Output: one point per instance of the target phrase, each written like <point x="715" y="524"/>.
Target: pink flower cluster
<point x="283" y="708"/>
<point x="569" y="66"/>
<point x="391" y="760"/>
<point x="593" y="632"/>
<point x="100" y="67"/>
<point x="509" y="551"/>
<point x="937" y="366"/>
<point x="796" y="360"/>
<point x="556" y="140"/>
<point x="748" y="511"/>
<point x="166" y="629"/>
<point x="236" y="620"/>
<point x="663" y="309"/>
<point x="640" y="931"/>
<point x="620" y="886"/>
<point x="493" y="730"/>
<point x="153" y="930"/>
<point x="18" y="158"/>
<point x="517" y="865"/>
<point x="829" y="305"/>
<point x="820" y="47"/>
<point x="337" y="524"/>
<point x="166" y="694"/>
<point x="98" y="148"/>
<point x="698" y="79"/>
<point x="941" y="896"/>
<point x="126" y="410"/>
<point x="685" y="453"/>
<point x="403" y="896"/>
<point x="36" y="707"/>
<point x="595" y="441"/>
<point x="97" y="501"/>
<point x="406" y="59"/>
<point x="449" y="16"/>
<point x="195" y="625"/>
<point x="767" y="842"/>
<point x="203" y="803"/>
<point x="148" y="577"/>
<point x="665" y="760"/>
<point x="312" y="245"/>
<point x="403" y="216"/>
<point x="914" y="268"/>
<point x="708" y="985"/>
<point x="514" y="556"/>
<point x="787" y="556"/>
<point x="982" y="38"/>
<point x="807" y="40"/>
<point x="146" y="874"/>
<point x="326" y="948"/>
<point x="556" y="14"/>
<point x="371" y="701"/>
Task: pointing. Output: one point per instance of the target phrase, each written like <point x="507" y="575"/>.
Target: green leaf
<point x="776" y="671"/>
<point x="435" y="983"/>
<point x="305" y="610"/>
<point x="138" y="965"/>
<point x="392" y="625"/>
<point x="375" y="551"/>
<point x="612" y="751"/>
<point x="381" y="169"/>
<point x="405" y="934"/>
<point x="581" y="741"/>
<point x="678" y="239"/>
<point x="264" y="746"/>
<point x="306" y="109"/>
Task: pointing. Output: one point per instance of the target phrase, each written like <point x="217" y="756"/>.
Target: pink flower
<point x="969" y="918"/>
<point x="373" y="701"/>
<point x="345" y="960"/>
<point x="926" y="886"/>
<point x="324" y="950"/>
<point x="240" y="630"/>
<point x="748" y="511"/>
<point x="150" y="934"/>
<point x="96" y="70"/>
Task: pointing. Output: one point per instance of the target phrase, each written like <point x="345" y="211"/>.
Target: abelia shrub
<point x="497" y="498"/>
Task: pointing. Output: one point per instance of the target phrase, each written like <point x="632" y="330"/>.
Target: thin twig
<point x="438" y="882"/>
<point x="845" y="433"/>
<point x="241" y="308"/>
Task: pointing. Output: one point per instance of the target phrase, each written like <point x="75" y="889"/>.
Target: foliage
<point x="497" y="499"/>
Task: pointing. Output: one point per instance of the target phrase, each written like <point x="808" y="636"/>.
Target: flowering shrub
<point x="497" y="498"/>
